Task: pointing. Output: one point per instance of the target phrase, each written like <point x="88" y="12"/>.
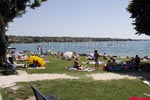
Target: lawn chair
<point x="40" y="96"/>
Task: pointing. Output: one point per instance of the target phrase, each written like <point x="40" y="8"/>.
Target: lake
<point x="118" y="48"/>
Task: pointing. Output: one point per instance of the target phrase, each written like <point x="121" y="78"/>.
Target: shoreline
<point x="44" y="39"/>
<point x="117" y="48"/>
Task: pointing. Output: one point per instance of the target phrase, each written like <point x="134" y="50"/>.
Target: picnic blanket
<point x="118" y="61"/>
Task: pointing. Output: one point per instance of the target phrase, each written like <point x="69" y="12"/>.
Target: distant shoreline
<point x="38" y="39"/>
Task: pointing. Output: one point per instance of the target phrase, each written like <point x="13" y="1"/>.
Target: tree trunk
<point x="3" y="44"/>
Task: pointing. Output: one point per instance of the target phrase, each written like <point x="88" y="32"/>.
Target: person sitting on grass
<point x="11" y="61"/>
<point x="37" y="63"/>
<point x="76" y="66"/>
<point x="129" y="64"/>
<point x="112" y="65"/>
<point x="107" y="65"/>
<point x="13" y="65"/>
<point x="8" y="64"/>
<point x="116" y="66"/>
<point x="34" y="64"/>
<point x="105" y="56"/>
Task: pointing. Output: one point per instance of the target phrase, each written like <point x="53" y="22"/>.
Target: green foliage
<point x="140" y="12"/>
<point x="10" y="9"/>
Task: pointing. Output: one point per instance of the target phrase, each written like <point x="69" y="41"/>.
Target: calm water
<point x="119" y="48"/>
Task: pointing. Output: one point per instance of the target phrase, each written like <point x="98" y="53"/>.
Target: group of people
<point x="78" y="66"/>
<point x="112" y="63"/>
<point x="131" y="64"/>
<point x="10" y="62"/>
<point x="35" y="64"/>
<point x="95" y="56"/>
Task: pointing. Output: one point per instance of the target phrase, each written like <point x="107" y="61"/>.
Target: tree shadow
<point x="144" y="74"/>
<point x="6" y="71"/>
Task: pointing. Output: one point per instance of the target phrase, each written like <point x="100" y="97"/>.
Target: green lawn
<point x="81" y="89"/>
<point x="57" y="65"/>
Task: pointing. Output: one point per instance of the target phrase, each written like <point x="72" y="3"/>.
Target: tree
<point x="140" y="12"/>
<point x="10" y="9"/>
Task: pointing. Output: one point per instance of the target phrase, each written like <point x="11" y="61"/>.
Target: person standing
<point x="96" y="59"/>
<point x="39" y="50"/>
<point x="137" y="62"/>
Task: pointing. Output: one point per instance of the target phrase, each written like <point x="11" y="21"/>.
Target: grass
<point x="81" y="89"/>
<point x="56" y="65"/>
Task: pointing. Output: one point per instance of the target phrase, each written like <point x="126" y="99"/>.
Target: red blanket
<point x="138" y="98"/>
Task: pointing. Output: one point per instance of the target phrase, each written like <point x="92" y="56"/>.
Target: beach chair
<point x="40" y="96"/>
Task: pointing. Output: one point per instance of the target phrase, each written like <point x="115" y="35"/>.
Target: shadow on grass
<point x="6" y="71"/>
<point x="143" y="74"/>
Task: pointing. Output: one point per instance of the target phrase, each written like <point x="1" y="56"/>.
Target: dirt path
<point x="7" y="81"/>
<point x="110" y="76"/>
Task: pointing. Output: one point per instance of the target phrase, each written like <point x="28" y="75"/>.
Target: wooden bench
<point x="40" y="96"/>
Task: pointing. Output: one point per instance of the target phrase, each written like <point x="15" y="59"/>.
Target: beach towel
<point x="88" y="69"/>
<point x="91" y="56"/>
<point x="36" y="67"/>
<point x="84" y="69"/>
<point x="118" y="61"/>
<point x="92" y="62"/>
<point x="71" y="68"/>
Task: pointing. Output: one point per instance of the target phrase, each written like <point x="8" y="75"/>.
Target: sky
<point x="77" y="18"/>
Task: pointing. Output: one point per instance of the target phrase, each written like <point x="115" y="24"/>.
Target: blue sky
<point x="77" y="18"/>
